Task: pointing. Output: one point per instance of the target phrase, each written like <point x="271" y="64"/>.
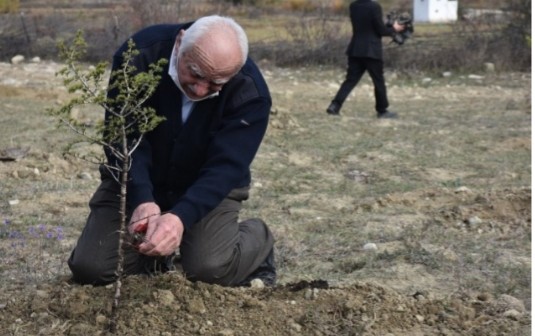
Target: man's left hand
<point x="398" y="27"/>
<point x="163" y="236"/>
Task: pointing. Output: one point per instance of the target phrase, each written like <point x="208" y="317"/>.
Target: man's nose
<point x="206" y="87"/>
<point x="201" y="89"/>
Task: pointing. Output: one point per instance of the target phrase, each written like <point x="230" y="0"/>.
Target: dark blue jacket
<point x="188" y="169"/>
<point x="368" y="28"/>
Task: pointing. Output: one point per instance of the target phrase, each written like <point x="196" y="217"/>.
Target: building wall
<point x="435" y="10"/>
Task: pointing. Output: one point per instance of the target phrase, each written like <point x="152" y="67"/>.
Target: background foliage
<point x="283" y="33"/>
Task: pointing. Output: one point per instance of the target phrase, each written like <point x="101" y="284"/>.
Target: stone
<point x="489" y="67"/>
<point x="18" y="59"/>
<point x="370" y="247"/>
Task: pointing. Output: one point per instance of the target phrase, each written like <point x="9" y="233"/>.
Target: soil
<point x="412" y="303"/>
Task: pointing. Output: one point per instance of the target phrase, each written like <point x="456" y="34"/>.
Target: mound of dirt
<point x="171" y="305"/>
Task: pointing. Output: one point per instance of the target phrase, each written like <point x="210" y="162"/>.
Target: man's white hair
<point x="205" y="24"/>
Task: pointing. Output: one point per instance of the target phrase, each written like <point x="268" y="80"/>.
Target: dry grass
<point x="327" y="186"/>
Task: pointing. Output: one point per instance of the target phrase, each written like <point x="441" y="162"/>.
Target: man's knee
<point x="89" y="271"/>
<point x="209" y="269"/>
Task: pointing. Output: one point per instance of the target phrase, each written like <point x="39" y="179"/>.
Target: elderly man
<point x="190" y="175"/>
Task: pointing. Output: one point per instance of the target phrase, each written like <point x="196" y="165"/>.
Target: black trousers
<point x="356" y="66"/>
<point x="218" y="249"/>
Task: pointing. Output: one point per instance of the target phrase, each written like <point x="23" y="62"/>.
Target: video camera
<point x="404" y="19"/>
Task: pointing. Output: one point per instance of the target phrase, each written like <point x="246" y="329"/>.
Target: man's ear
<point x="180" y="36"/>
<point x="178" y="40"/>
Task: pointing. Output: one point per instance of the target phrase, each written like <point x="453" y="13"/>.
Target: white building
<point x="435" y="10"/>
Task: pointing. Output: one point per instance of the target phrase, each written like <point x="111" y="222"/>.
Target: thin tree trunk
<point x="122" y="237"/>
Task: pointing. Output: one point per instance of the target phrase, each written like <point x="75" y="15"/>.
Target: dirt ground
<point x="381" y="229"/>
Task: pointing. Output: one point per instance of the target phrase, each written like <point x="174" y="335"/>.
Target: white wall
<point x="435" y="10"/>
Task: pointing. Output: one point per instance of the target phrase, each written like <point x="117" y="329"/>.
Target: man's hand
<point x="163" y="237"/>
<point x="143" y="215"/>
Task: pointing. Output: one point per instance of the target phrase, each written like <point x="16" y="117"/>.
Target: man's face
<point x="201" y="73"/>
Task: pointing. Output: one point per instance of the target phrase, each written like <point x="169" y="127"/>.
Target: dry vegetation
<point x="444" y="193"/>
<point x="286" y="33"/>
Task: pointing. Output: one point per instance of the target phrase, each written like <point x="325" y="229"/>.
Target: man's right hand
<point x="143" y="215"/>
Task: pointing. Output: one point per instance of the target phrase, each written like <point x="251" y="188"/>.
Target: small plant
<point x="127" y="120"/>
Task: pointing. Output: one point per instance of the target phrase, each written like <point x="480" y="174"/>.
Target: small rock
<point x="489" y="67"/>
<point x="41" y="294"/>
<point x="36" y="59"/>
<point x="449" y="255"/>
<point x="101" y="319"/>
<point x="18" y="59"/>
<point x="164" y="297"/>
<point x="370" y="247"/>
<point x="446" y="74"/>
<point x="196" y="306"/>
<point x="311" y="294"/>
<point x="251" y="302"/>
<point x="512" y="314"/>
<point x="462" y="190"/>
<point x="483" y="297"/>
<point x="85" y="176"/>
<point x="400" y="308"/>
<point x="226" y="332"/>
<point x="508" y="302"/>
<point x="420" y="318"/>
<point x="474" y="221"/>
<point x="295" y="326"/>
<point x="257" y="283"/>
<point x="13" y="153"/>
<point x="14" y="202"/>
<point x="22" y="174"/>
<point x="477" y="77"/>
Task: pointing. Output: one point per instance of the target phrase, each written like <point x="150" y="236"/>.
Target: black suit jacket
<point x="368" y="28"/>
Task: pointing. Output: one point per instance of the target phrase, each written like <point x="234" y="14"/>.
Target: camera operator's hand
<point x="398" y="27"/>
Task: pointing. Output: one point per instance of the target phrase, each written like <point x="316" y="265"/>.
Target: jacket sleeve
<point x="378" y="23"/>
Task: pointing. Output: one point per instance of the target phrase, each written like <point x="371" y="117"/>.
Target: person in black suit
<point x="365" y="53"/>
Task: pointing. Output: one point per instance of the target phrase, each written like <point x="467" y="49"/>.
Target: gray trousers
<point x="218" y="249"/>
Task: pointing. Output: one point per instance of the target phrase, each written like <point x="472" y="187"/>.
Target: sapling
<point x="128" y="119"/>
